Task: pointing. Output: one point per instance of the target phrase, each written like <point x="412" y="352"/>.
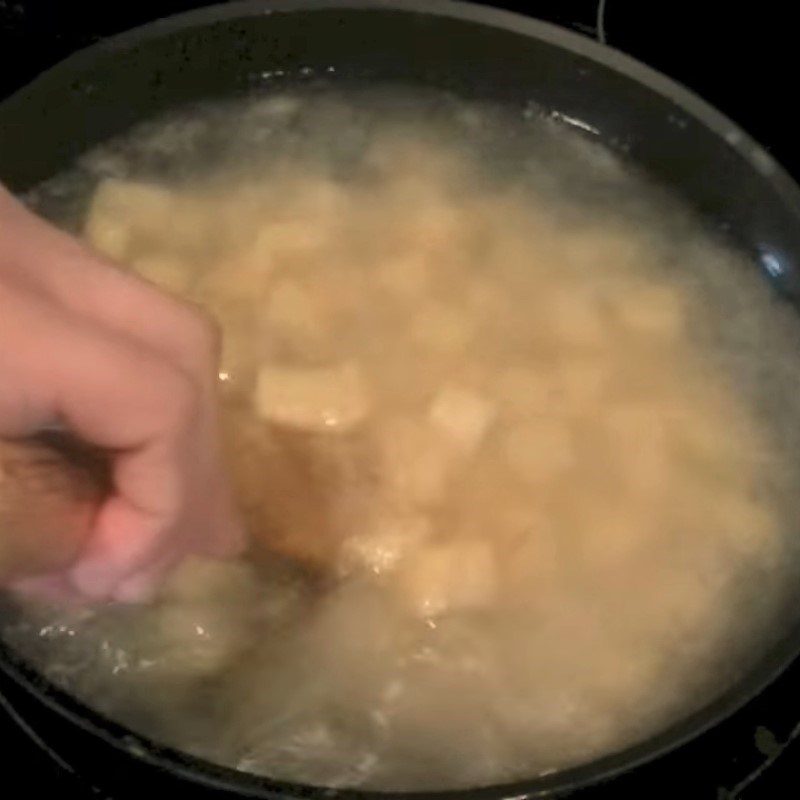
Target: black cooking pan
<point x="478" y="53"/>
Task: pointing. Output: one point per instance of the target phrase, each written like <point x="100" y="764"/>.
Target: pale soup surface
<point x="496" y="415"/>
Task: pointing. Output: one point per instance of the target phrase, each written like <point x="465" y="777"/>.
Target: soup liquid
<point x="509" y="428"/>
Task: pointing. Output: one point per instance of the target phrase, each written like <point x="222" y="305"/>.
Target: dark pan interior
<point x="478" y="53"/>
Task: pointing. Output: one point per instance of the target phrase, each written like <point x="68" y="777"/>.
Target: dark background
<point x="742" y="58"/>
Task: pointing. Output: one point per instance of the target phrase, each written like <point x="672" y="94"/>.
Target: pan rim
<point x="775" y="659"/>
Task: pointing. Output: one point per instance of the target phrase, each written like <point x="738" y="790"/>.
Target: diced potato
<point x="165" y="271"/>
<point x="284" y="242"/>
<point x="462" y="415"/>
<point x="572" y="387"/>
<point x="257" y="260"/>
<point x="416" y="461"/>
<point x="540" y="449"/>
<point x="487" y="502"/>
<point x="195" y="227"/>
<point x="442" y="328"/>
<point x="639" y="447"/>
<point x="231" y="286"/>
<point x="527" y="391"/>
<point x="119" y="208"/>
<point x="313" y="399"/>
<point x="641" y="376"/>
<point x="576" y="318"/>
<point x="531" y="568"/>
<point x="407" y="277"/>
<point x="487" y="299"/>
<point x="386" y="543"/>
<point x="713" y="431"/>
<point x="581" y="384"/>
<point x="291" y="308"/>
<point x="450" y="577"/>
<point x="652" y="310"/>
<point x="612" y="532"/>
<point x="338" y="292"/>
<point x="109" y="237"/>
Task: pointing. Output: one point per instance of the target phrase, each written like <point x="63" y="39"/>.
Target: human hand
<point x="128" y="369"/>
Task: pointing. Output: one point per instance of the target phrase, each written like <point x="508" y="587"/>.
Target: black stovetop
<point x="740" y="59"/>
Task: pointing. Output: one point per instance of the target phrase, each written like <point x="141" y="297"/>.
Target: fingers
<point x="124" y="367"/>
<point x="115" y="393"/>
<point x="111" y="390"/>
<point x="46" y="260"/>
<point x="125" y="540"/>
<point x="127" y="304"/>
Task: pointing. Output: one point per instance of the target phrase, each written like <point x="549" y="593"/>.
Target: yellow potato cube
<point x="639" y="445"/>
<point x="581" y="384"/>
<point x="450" y="577"/>
<point x="525" y="391"/>
<point x="540" y="450"/>
<point x="463" y="416"/>
<point x="291" y="308"/>
<point x="165" y="271"/>
<point x="652" y="311"/>
<point x="313" y="399"/>
<point x="576" y="318"/>
<point x="441" y="328"/>
<point x="233" y="284"/>
<point x="487" y="299"/>
<point x="612" y="532"/>
<point x="119" y="209"/>
<point x="416" y="462"/>
<point x="407" y="277"/>
<point x="390" y="539"/>
<point x="277" y="241"/>
<point x="109" y="237"/>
